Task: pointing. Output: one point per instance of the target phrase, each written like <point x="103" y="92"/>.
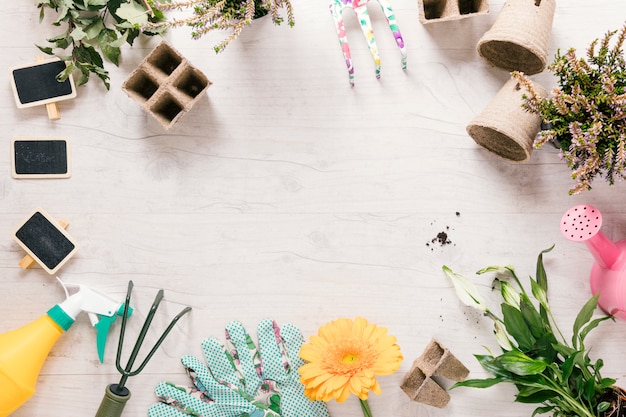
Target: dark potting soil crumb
<point x="442" y="238"/>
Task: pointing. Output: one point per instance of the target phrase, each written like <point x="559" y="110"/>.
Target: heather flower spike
<point x="209" y="15"/>
<point x="586" y="115"/>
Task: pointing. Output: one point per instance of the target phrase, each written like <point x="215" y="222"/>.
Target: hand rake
<point x="116" y="395"/>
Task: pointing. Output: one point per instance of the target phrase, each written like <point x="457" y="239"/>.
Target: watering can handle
<point x="113" y="403"/>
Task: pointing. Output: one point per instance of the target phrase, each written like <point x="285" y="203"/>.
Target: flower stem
<point x="366" y="408"/>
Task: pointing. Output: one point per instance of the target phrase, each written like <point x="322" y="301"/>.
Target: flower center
<point x="350" y="357"/>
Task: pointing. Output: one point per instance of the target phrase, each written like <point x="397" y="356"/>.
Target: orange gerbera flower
<point x="344" y="357"/>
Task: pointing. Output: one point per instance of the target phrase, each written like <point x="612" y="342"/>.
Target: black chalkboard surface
<point x="36" y="84"/>
<point x="45" y="241"/>
<point x="40" y="157"/>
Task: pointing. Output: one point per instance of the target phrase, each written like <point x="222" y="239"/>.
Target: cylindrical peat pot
<point x="519" y="37"/>
<point x="504" y="127"/>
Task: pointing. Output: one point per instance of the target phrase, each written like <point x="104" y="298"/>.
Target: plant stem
<point x="579" y="408"/>
<point x="365" y="407"/>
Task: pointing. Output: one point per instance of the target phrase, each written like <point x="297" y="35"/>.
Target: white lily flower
<point x="511" y="297"/>
<point x="466" y="291"/>
<point x="502" y="336"/>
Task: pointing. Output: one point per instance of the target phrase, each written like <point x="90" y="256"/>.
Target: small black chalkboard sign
<point x="40" y="157"/>
<point x="36" y="84"/>
<point x="45" y="241"/>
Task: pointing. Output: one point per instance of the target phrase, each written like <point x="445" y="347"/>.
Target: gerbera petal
<point x="376" y="388"/>
<point x="311" y="353"/>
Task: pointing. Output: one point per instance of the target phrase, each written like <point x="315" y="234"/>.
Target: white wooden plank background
<point x="287" y="194"/>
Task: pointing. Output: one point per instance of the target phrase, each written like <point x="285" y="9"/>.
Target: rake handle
<point x="113" y="404"/>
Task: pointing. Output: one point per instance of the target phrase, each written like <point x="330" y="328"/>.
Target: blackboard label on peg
<point x="36" y="83"/>
<point x="45" y="241"/>
<point x="40" y="157"/>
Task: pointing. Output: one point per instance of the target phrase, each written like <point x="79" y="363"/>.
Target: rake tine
<point x="120" y="343"/>
<point x="161" y="339"/>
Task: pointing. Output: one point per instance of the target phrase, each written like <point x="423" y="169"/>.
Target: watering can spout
<point x="582" y="223"/>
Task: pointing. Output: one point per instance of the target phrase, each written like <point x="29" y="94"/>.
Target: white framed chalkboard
<point x="45" y="241"/>
<point x="36" y="84"/>
<point x="34" y="157"/>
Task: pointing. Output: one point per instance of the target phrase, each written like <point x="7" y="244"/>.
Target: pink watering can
<point x="582" y="224"/>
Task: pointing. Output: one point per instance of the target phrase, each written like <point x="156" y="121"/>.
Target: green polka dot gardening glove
<point x="229" y="385"/>
<point x="280" y="358"/>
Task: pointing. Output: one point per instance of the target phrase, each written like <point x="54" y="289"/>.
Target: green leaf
<point x="78" y="34"/>
<point x="66" y="73"/>
<point x="531" y="317"/>
<point x="594" y="323"/>
<point x="516" y="326"/>
<point x="539" y="396"/>
<point x="87" y="54"/>
<point x="132" y="12"/>
<point x="491" y="365"/>
<point x="97" y="3"/>
<point x="521" y="364"/>
<point x="564" y="350"/>
<point x="603" y="406"/>
<point x="541" y="276"/>
<point x="544" y="348"/>
<point x="61" y="41"/>
<point x="478" y="383"/>
<point x="45" y="49"/>
<point x="119" y="41"/>
<point x="607" y="382"/>
<point x="542" y="410"/>
<point x="583" y="317"/>
<point x="93" y="30"/>
<point x="589" y="390"/>
<point x="105" y="39"/>
<point x="568" y="366"/>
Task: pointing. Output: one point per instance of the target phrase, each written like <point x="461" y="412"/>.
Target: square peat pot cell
<point x="167" y="110"/>
<point x="431" y="11"/>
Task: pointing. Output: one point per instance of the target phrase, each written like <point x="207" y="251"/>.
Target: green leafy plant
<point x="545" y="368"/>
<point x="209" y="15"/>
<point x="92" y="28"/>
<point x="586" y="115"/>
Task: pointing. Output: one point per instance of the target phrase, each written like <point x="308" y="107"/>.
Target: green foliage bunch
<point x="209" y="15"/>
<point x="545" y="368"/>
<point x="586" y="115"/>
<point x="92" y="27"/>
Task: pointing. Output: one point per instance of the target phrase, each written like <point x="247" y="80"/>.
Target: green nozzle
<point x="113" y="402"/>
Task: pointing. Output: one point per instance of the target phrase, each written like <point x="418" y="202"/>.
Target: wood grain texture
<point x="286" y="194"/>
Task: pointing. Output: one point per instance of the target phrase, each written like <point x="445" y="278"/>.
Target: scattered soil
<point x="442" y="238"/>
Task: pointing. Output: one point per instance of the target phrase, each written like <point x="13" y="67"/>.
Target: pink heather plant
<point x="586" y="115"/>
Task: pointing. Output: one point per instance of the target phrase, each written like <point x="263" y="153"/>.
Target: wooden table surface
<point x="286" y="194"/>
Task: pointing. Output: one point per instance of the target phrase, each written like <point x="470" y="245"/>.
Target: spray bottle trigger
<point x="104" y="325"/>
